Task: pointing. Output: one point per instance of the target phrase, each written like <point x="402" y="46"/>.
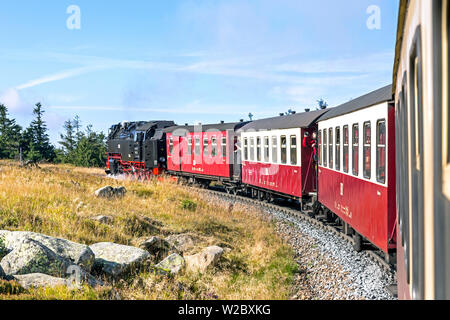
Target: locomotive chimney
<point x="242" y="120"/>
<point x="307" y="110"/>
<point x="222" y="122"/>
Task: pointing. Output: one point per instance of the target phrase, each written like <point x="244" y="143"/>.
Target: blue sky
<point x="189" y="61"/>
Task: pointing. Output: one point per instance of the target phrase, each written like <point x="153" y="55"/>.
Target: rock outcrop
<point x="115" y="259"/>
<point x="200" y="262"/>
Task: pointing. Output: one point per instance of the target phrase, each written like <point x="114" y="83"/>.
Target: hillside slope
<point x="59" y="201"/>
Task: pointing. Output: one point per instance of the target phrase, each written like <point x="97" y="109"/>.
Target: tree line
<point x="78" y="146"/>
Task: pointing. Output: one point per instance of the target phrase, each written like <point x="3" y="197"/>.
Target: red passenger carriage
<point x="204" y="152"/>
<point x="357" y="166"/>
<point x="274" y="161"/>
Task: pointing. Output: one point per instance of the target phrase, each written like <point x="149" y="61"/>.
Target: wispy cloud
<point x="58" y="76"/>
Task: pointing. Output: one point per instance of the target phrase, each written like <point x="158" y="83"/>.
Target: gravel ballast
<point x="329" y="267"/>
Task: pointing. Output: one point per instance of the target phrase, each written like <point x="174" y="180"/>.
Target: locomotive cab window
<point x="283" y="150"/>
<point x="345" y="149"/>
<point x="197" y="146"/>
<point x="224" y="147"/>
<point x="367" y="150"/>
<point x="293" y="150"/>
<point x="258" y="149"/>
<point x="274" y="149"/>
<point x="381" y="151"/>
<point x="266" y="149"/>
<point x="330" y="147"/>
<point x="325" y="147"/>
<point x="245" y="149"/>
<point x="355" y="150"/>
<point x="338" y="148"/>
<point x="213" y="146"/>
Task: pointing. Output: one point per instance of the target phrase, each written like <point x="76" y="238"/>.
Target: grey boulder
<point x="103" y="219"/>
<point x="205" y="259"/>
<point x="182" y="242"/>
<point x="78" y="254"/>
<point x="40" y="280"/>
<point x="115" y="259"/>
<point x="31" y="256"/>
<point x="172" y="264"/>
<point x="109" y="192"/>
<point x="157" y="247"/>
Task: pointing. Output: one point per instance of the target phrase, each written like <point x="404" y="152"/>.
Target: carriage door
<point x="174" y="159"/>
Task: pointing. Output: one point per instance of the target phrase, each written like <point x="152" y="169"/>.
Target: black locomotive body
<point x="137" y="148"/>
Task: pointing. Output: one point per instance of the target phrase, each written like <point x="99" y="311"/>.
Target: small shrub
<point x="188" y="204"/>
<point x="143" y="193"/>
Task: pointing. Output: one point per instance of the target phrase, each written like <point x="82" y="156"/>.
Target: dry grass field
<point x="59" y="200"/>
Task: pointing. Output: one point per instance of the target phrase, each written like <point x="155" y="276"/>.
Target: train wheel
<point x="357" y="242"/>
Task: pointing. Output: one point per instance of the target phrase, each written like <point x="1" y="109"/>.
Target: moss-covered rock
<point x="172" y="264"/>
<point x="78" y="254"/>
<point x="31" y="256"/>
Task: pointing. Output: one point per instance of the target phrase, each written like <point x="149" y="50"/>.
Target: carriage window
<point x="224" y="147"/>
<point x="330" y="147"/>
<point x="258" y="149"/>
<point x="294" y="150"/>
<point x="245" y="149"/>
<point x="367" y="150"/>
<point x="197" y="146"/>
<point x="252" y="149"/>
<point x="325" y="146"/>
<point x="320" y="148"/>
<point x="283" y="150"/>
<point x="345" y="149"/>
<point x="213" y="146"/>
<point x="355" y="150"/>
<point x="266" y="149"/>
<point x="338" y="148"/>
<point x="170" y="145"/>
<point x="274" y="149"/>
<point x="205" y="146"/>
<point x="381" y="151"/>
<point x="189" y="152"/>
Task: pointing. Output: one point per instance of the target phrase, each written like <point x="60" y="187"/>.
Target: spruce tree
<point x="9" y="135"/>
<point x="39" y="147"/>
<point x="68" y="140"/>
